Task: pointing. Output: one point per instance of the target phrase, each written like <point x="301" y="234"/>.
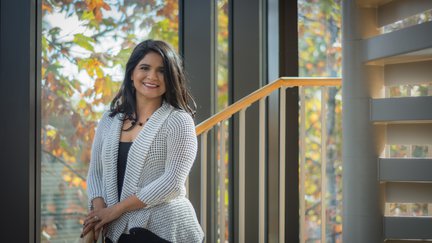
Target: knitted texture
<point x="158" y="164"/>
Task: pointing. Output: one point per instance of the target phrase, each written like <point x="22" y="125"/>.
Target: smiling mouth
<point x="150" y="85"/>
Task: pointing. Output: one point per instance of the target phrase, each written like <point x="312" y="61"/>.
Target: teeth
<point x="151" y="85"/>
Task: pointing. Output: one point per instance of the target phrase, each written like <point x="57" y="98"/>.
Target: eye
<point x="145" y="68"/>
<point x="161" y="71"/>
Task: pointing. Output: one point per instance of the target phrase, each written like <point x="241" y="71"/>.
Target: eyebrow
<point x="147" y="65"/>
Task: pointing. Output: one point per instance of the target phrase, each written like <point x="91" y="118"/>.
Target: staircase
<point x="239" y="108"/>
<point x="407" y="175"/>
<point x="388" y="76"/>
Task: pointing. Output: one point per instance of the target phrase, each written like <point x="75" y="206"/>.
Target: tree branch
<point x="55" y="158"/>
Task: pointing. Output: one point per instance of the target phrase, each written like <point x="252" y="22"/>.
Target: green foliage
<point x="84" y="41"/>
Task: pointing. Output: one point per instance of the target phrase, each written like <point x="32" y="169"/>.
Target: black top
<point x="121" y="164"/>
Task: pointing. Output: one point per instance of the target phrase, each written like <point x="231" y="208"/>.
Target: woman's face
<point x="148" y="77"/>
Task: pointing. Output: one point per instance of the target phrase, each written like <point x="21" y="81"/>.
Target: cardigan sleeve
<point x="181" y="152"/>
<point x="94" y="176"/>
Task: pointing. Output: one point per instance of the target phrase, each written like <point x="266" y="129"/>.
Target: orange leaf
<point x="84" y="185"/>
<point x="106" y="6"/>
<point x="93" y="4"/>
<point x="98" y="14"/>
<point x="46" y="7"/>
<point x="92" y="66"/>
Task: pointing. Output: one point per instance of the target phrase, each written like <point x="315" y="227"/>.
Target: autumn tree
<point x="85" y="46"/>
<point x="320" y="55"/>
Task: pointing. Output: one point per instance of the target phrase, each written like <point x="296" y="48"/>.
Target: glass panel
<point x="320" y="55"/>
<point x="222" y="91"/>
<point x="408" y="151"/>
<point x="312" y="165"/>
<point x="415" y="90"/>
<point x="407" y="209"/>
<point x="85" y="46"/>
<point x="426" y="16"/>
<point x="420" y="151"/>
<point x="400" y="151"/>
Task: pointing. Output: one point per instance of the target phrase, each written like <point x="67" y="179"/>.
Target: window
<point x="320" y="55"/>
<point x="85" y="46"/>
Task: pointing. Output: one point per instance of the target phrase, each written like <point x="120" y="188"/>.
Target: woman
<point x="143" y="150"/>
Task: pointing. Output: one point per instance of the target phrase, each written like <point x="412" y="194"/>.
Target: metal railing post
<point x="242" y="151"/>
<point x="262" y="169"/>
<point x="204" y="182"/>
<point x="323" y="162"/>
<point x="302" y="164"/>
<point x="282" y="128"/>
<point x="222" y="183"/>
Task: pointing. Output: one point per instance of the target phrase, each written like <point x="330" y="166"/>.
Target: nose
<point x="152" y="75"/>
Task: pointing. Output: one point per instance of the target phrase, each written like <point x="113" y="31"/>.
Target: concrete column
<point x="363" y="141"/>
<point x="247" y="74"/>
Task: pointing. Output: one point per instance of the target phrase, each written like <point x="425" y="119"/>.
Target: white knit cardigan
<point x="158" y="163"/>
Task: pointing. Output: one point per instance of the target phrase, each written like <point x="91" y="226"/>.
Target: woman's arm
<point x="94" y="176"/>
<point x="96" y="202"/>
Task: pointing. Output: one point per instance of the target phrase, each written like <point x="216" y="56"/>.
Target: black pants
<point x="139" y="235"/>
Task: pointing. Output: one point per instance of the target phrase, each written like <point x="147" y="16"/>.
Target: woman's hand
<point x="97" y="218"/>
<point x="101" y="216"/>
<point x="96" y="204"/>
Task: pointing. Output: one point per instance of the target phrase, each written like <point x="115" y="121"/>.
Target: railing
<point x="240" y="107"/>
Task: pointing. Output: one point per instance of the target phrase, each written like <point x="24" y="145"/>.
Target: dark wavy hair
<point x="176" y="92"/>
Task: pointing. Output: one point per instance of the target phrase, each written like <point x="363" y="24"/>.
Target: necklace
<point x="139" y="123"/>
<point x="133" y="123"/>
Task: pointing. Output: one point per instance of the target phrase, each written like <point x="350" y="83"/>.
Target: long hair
<point x="176" y="93"/>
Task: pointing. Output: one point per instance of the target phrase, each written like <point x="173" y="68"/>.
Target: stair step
<point x="404" y="41"/>
<point x="406" y="109"/>
<point x="407" y="227"/>
<point x="406" y="169"/>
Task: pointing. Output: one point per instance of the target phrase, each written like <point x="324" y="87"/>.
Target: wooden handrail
<point x="263" y="92"/>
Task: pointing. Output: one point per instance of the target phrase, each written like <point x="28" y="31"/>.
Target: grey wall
<point x="362" y="140"/>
